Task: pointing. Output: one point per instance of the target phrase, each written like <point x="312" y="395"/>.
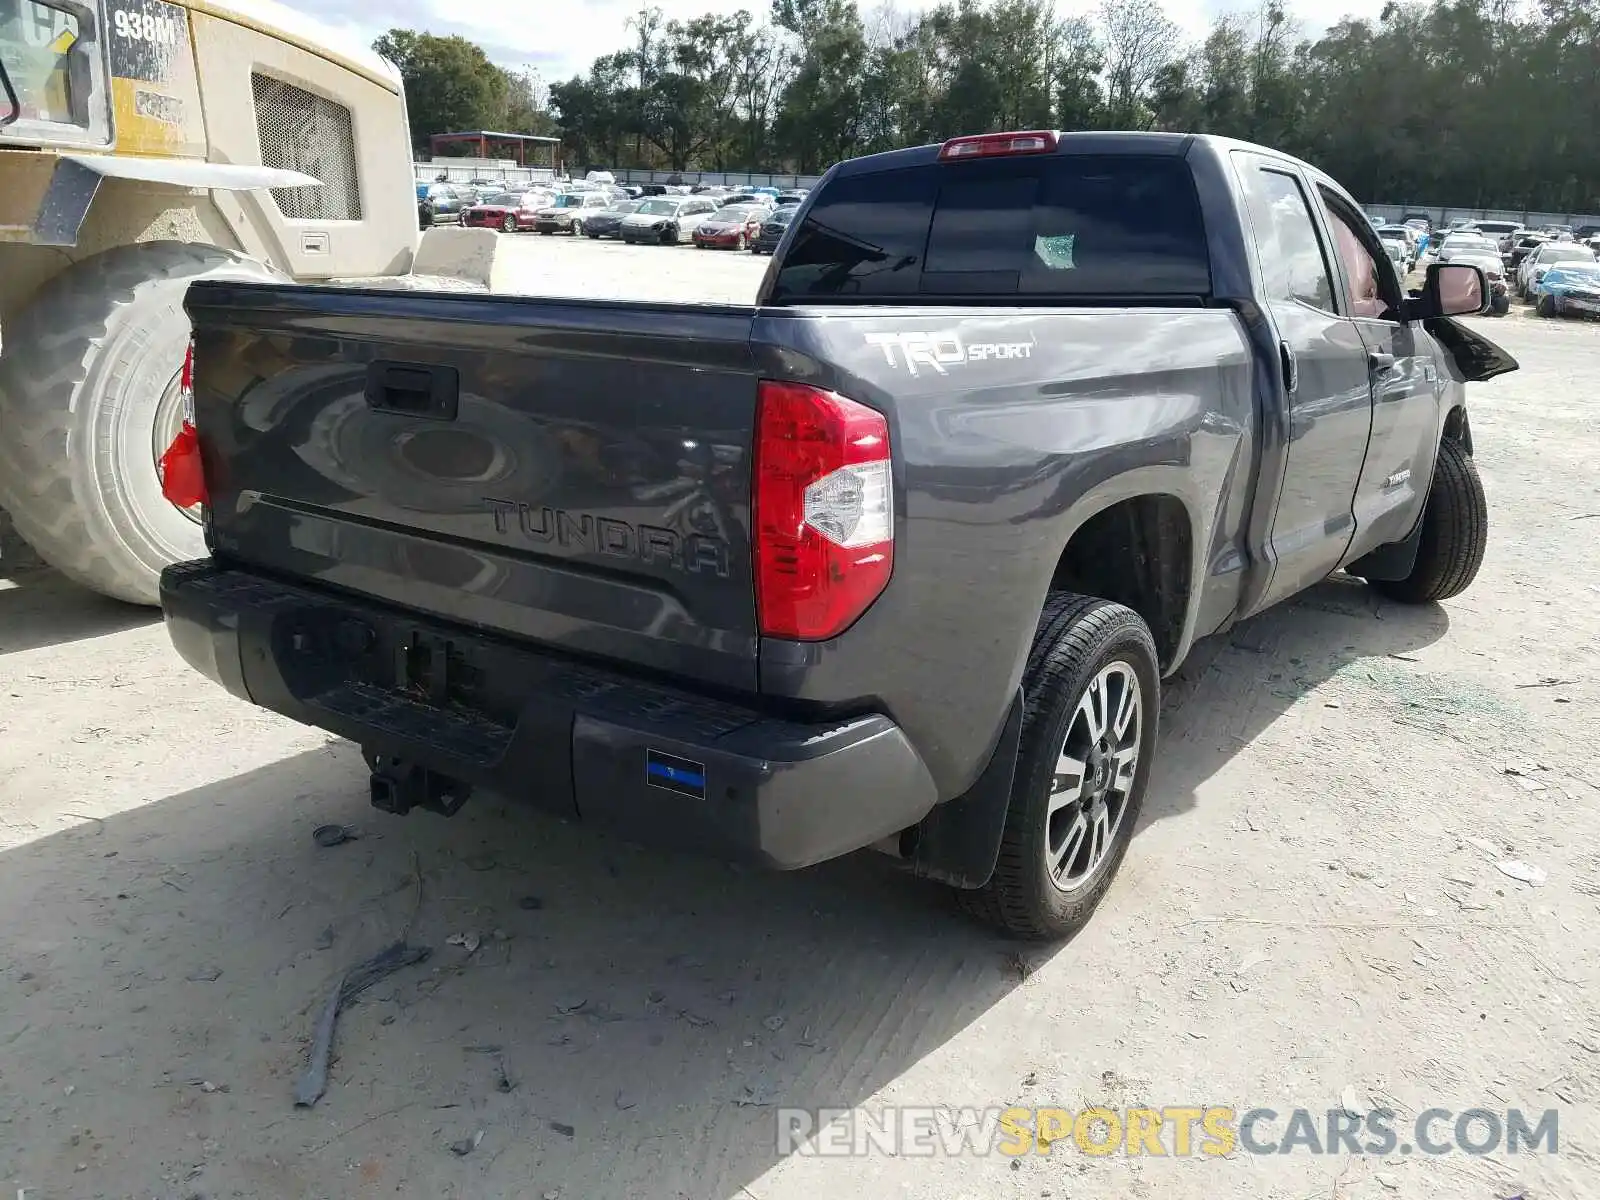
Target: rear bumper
<point x="658" y="764"/>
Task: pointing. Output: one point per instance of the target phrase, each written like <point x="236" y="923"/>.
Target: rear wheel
<point x="1455" y="533"/>
<point x="1093" y="694"/>
<point x="509" y="225"/>
<point x="90" y="399"/>
<point x="1547" y="306"/>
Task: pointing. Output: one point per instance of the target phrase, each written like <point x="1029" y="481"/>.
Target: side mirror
<point x="1450" y="290"/>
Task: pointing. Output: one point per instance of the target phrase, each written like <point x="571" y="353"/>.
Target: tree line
<point x="1482" y="103"/>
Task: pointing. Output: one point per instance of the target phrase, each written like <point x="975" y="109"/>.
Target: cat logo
<point x="941" y="350"/>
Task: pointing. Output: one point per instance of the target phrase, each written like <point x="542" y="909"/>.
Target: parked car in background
<point x="565" y="213"/>
<point x="1521" y="247"/>
<point x="605" y="222"/>
<point x="731" y="227"/>
<point x="1499" y="232"/>
<point x="749" y="200"/>
<point x="508" y="212"/>
<point x="447" y="200"/>
<point x="664" y="219"/>
<point x="1406" y="235"/>
<point x="796" y="196"/>
<point x="1421" y="220"/>
<point x="1399" y="251"/>
<point x="772" y="227"/>
<point x="1572" y="287"/>
<point x="1464" y="242"/>
<point x="1546" y="256"/>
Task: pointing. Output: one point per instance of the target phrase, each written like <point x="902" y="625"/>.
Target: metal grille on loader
<point x="301" y="131"/>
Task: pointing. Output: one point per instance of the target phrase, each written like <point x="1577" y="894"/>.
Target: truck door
<point x="1405" y="389"/>
<point x="1324" y="375"/>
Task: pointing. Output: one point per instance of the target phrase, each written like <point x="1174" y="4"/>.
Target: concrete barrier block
<point x="456" y="253"/>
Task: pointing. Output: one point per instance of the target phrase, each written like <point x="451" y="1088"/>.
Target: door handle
<point x="1379" y="361"/>
<point x="1291" y="373"/>
<point x="413" y="389"/>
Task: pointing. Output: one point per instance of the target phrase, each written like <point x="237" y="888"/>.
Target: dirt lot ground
<point x="1312" y="914"/>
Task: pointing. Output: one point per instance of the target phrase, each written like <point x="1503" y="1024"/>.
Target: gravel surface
<point x="1312" y="914"/>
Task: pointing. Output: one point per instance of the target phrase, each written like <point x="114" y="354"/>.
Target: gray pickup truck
<point x="896" y="556"/>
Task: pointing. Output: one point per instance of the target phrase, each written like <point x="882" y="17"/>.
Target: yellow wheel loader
<point x="145" y="144"/>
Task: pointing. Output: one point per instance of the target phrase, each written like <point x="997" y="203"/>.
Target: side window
<point x="1366" y="299"/>
<point x="1292" y="266"/>
<point x="38" y="43"/>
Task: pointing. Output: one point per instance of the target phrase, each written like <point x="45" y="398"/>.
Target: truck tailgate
<point x="575" y="473"/>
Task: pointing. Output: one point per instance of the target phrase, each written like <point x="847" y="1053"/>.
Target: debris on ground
<point x="467" y="1144"/>
<point x="468" y="941"/>
<point x="309" y="1087"/>
<point x="325" y="938"/>
<point x="773" y="1024"/>
<point x="530" y="904"/>
<point x="329" y="836"/>
<point x="204" y="975"/>
<point x="564" y="1129"/>
<point x="1525" y="872"/>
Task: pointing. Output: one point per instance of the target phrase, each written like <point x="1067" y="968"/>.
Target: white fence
<point x="725" y="178"/>
<point x="1443" y="216"/>
<point x="457" y="171"/>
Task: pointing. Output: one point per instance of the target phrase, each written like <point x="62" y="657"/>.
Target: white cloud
<point x="586" y="29"/>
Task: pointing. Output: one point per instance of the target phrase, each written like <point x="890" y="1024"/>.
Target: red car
<point x="508" y="212"/>
<point x="730" y="228"/>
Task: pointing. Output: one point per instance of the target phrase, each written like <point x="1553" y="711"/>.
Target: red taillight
<point x="183" y="480"/>
<point x="824" y="511"/>
<point x="990" y="145"/>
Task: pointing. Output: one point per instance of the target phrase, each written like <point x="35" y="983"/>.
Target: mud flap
<point x="958" y="843"/>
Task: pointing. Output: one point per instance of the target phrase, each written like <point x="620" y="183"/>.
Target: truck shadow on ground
<point x="619" y="1021"/>
<point x="40" y="607"/>
<point x="1232" y="687"/>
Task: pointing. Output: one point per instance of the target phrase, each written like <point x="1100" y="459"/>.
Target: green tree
<point x="450" y="83"/>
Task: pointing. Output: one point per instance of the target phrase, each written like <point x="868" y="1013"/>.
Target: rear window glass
<point x="1057" y="225"/>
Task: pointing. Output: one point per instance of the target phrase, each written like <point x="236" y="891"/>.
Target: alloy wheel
<point x="1094" y="776"/>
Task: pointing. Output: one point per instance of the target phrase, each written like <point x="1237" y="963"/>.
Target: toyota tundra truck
<point x="897" y="556"/>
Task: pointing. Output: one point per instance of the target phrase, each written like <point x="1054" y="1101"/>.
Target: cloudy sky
<point x="562" y="37"/>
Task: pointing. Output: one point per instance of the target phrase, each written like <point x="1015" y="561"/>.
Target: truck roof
<point x="1081" y="142"/>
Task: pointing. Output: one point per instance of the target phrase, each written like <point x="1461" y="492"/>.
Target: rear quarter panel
<point x="1009" y="430"/>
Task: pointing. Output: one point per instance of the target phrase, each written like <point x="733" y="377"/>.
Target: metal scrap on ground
<point x="309" y="1087"/>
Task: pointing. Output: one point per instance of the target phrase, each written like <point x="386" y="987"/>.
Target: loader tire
<point x="87" y="369"/>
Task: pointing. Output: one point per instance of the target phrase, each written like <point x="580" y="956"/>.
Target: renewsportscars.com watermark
<point x="1178" y="1131"/>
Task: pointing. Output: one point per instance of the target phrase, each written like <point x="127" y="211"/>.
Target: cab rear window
<point x="1032" y="228"/>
